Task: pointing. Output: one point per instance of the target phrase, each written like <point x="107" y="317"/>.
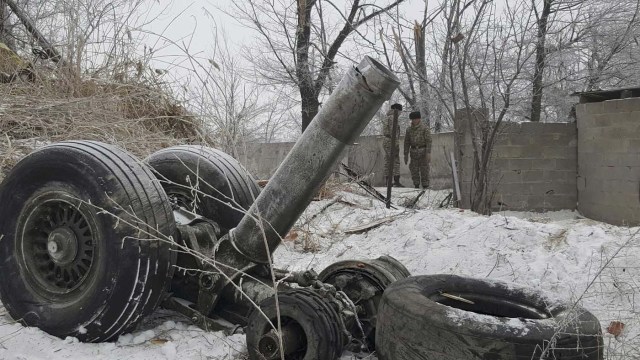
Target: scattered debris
<point x="615" y="328"/>
<point x="370" y="225"/>
<point x="352" y="175"/>
<point x="322" y="209"/>
<point x="412" y="203"/>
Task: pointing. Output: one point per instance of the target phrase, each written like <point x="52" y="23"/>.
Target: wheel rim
<point x="57" y="246"/>
<point x="182" y="197"/>
<point x="293" y="338"/>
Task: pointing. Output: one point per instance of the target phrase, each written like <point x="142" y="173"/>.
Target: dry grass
<point x="141" y="118"/>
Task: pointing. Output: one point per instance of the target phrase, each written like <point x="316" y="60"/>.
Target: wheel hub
<point x="57" y="245"/>
<point x="62" y="245"/>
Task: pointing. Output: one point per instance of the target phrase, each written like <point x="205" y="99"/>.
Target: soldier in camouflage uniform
<point x="417" y="142"/>
<point x="387" y="147"/>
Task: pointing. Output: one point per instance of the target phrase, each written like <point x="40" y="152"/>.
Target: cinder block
<point x="533" y="176"/>
<point x="500" y="164"/>
<point x="566" y="164"/>
<point x="605" y="120"/>
<point x="552" y="202"/>
<point x="510" y="202"/>
<point x="534" y="151"/>
<point x="581" y="111"/>
<point x="589" y="134"/>
<point x="627" y="187"/>
<point x="553" y="128"/>
<point x="519" y="140"/>
<point x="558" y="152"/>
<point x="615" y="172"/>
<point x="628" y="105"/>
<point x="621" y="159"/>
<point x="567" y="189"/>
<point x="544" y="164"/>
<point x="609" y="106"/>
<point x="593" y="185"/>
<point x="626" y="117"/>
<point x="616" y="214"/>
<point x="588" y="146"/>
<point x="594" y="108"/>
<point x="510" y="152"/>
<point x="514" y="188"/>
<point x="618" y="131"/>
<point x="585" y="122"/>
<point x="611" y="145"/>
<point x="507" y="177"/>
<point x="542" y="188"/>
<point x="520" y="164"/>
<point x="560" y="176"/>
<point x="560" y="139"/>
<point x="587" y="159"/>
<point x="563" y="202"/>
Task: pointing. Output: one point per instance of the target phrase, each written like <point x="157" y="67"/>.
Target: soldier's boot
<point x="416" y="185"/>
<point x="396" y="181"/>
<point x="425" y="186"/>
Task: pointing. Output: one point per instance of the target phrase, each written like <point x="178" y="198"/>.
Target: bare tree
<point x="414" y="61"/>
<point x="615" y="32"/>
<point x="490" y="63"/>
<point x="559" y="18"/>
<point x="6" y="26"/>
<point x="301" y="42"/>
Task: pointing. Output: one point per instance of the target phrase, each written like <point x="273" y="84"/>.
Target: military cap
<point x="414" y="115"/>
<point x="396" y="106"/>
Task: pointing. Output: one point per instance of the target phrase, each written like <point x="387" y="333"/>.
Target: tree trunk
<point x="536" y="99"/>
<point x="421" y="68"/>
<point x="6" y="35"/>
<point x="310" y="107"/>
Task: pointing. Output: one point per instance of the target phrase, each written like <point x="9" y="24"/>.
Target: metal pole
<point x="340" y="121"/>
<point x="392" y="156"/>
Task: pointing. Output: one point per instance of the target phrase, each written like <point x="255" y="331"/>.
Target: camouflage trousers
<point x="419" y="167"/>
<point x="387" y="157"/>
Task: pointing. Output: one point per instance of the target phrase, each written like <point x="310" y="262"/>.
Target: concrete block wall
<point x="609" y="161"/>
<point x="262" y="160"/>
<point x="366" y="156"/>
<point x="533" y="167"/>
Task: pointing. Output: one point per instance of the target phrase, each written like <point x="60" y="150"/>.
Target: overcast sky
<point x="193" y="22"/>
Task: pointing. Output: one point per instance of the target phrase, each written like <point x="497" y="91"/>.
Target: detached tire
<point x="309" y="323"/>
<point x="86" y="250"/>
<point x="417" y="322"/>
<point x="205" y="181"/>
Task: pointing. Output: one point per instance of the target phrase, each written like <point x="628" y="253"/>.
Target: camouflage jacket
<point x="388" y="124"/>
<point x="417" y="137"/>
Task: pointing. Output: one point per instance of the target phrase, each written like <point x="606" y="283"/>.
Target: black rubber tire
<point x="316" y="317"/>
<point x="226" y="189"/>
<point x="119" y="201"/>
<point x="355" y="278"/>
<point x="416" y="322"/>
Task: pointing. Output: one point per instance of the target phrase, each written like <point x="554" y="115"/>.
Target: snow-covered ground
<point x="559" y="253"/>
